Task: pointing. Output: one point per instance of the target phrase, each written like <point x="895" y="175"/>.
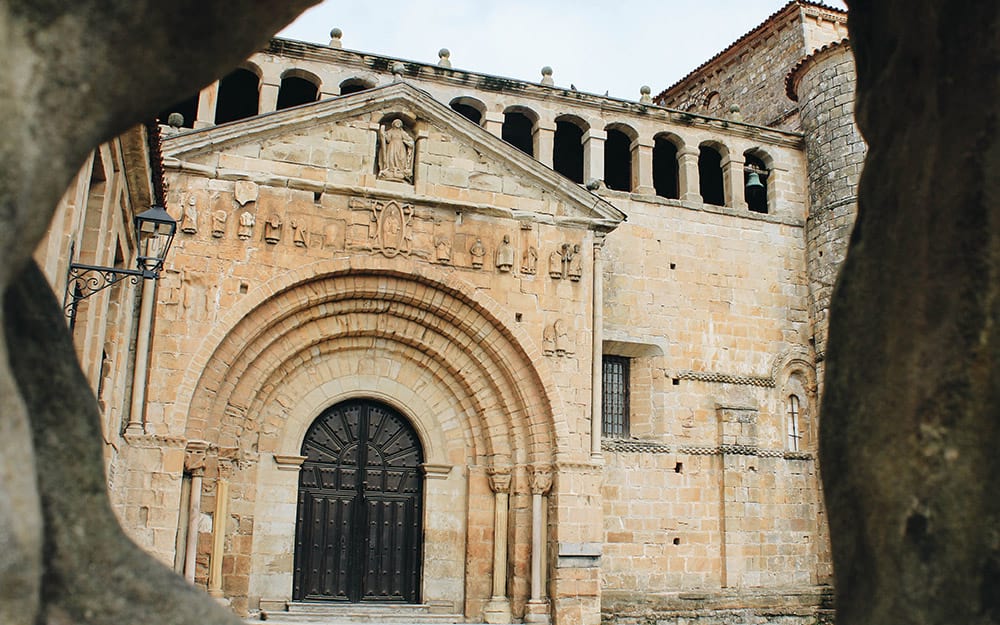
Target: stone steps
<point x="325" y="613"/>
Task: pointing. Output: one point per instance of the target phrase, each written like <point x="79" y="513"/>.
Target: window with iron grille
<point x="614" y="421"/>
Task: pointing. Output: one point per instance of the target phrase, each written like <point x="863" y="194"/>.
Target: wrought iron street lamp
<point x="154" y="232"/>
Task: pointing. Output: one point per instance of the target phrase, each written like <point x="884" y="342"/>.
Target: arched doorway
<point x="358" y="532"/>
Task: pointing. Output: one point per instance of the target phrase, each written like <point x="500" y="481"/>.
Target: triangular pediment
<point x="331" y="145"/>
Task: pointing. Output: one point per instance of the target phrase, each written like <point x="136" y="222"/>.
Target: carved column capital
<point x="195" y="457"/>
<point x="499" y="478"/>
<point x="541" y="479"/>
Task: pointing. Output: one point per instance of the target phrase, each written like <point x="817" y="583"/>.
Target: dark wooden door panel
<point x="358" y="535"/>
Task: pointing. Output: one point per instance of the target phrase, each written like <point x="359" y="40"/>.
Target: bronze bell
<point x="754" y="186"/>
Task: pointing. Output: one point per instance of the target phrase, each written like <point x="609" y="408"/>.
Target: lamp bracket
<point x="82" y="281"/>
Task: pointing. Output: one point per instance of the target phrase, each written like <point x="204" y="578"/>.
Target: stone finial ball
<point x="546" y="71"/>
<point x="175" y="120"/>
<point x="444" y="53"/>
<point x="397" y="68"/>
<point x="336" y="33"/>
<point x="645" y="90"/>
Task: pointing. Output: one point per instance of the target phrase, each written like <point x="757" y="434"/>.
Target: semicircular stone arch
<point x="484" y="381"/>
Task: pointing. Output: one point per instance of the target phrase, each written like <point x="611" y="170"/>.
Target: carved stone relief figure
<point x="390" y="230"/>
<point x="529" y="260"/>
<point x="189" y="221"/>
<point x="505" y="255"/>
<point x="443" y="249"/>
<point x="299" y="234"/>
<point x="567" y="256"/>
<point x="575" y="264"/>
<point x="219" y="223"/>
<point x="395" y="159"/>
<point x="247" y="221"/>
<point x="197" y="294"/>
<point x="561" y="337"/>
<point x="478" y="251"/>
<point x="549" y="341"/>
<point x="555" y="265"/>
<point x="272" y="229"/>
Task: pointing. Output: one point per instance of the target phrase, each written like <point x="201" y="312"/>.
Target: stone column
<point x="143" y="335"/>
<point x="544" y="141"/>
<point x="219" y="532"/>
<point x="268" y="102"/>
<point x="732" y="181"/>
<point x="593" y="154"/>
<point x="194" y="464"/>
<point x="642" y="167"/>
<point x="498" y="608"/>
<point x="597" y="353"/>
<point x="207" y="100"/>
<point x="688" y="182"/>
<point x="493" y="123"/>
<point x="537" y="610"/>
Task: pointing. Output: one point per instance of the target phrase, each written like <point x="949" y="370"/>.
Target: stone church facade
<point x="470" y="349"/>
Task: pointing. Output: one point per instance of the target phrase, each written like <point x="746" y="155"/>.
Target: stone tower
<point x="823" y="84"/>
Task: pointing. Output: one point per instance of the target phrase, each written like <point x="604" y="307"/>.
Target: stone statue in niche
<point x="189" y="221"/>
<point x="299" y="236"/>
<point x="272" y="229"/>
<point x="575" y="263"/>
<point x="395" y="157"/>
<point x="219" y="223"/>
<point x="555" y="265"/>
<point x="549" y="341"/>
<point x="529" y="260"/>
<point x="505" y="255"/>
<point x="443" y="248"/>
<point x="478" y="252"/>
<point x="247" y="221"/>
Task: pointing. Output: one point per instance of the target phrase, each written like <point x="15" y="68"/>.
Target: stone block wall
<point x="751" y="74"/>
<point x="824" y="84"/>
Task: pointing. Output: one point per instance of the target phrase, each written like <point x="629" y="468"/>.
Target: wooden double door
<point x="358" y="535"/>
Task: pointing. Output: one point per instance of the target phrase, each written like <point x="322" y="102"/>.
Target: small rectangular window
<point x="615" y="411"/>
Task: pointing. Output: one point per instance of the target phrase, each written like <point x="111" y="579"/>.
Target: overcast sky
<point x="596" y="45"/>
